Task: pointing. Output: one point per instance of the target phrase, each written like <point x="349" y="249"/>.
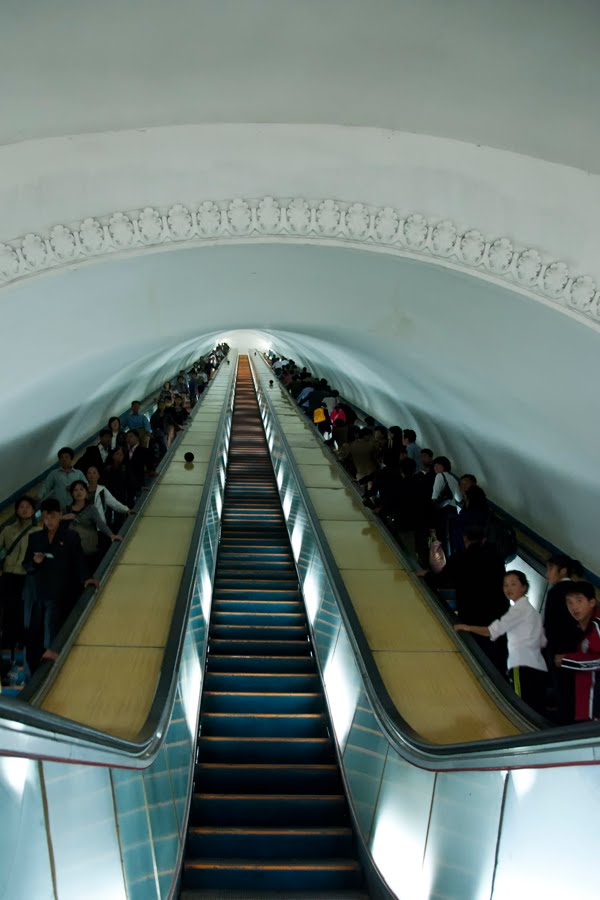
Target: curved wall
<point x="489" y="377"/>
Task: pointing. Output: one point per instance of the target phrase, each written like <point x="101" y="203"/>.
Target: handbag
<point x="4" y="552"/>
<point x="437" y="557"/>
<point x="445" y="494"/>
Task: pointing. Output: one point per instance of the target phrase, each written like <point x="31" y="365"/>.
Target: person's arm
<point x="481" y="630"/>
<point x="582" y="660"/>
<point x="113" y="503"/>
<point x="100" y="524"/>
<point x="146" y="424"/>
<point x="437" y="486"/>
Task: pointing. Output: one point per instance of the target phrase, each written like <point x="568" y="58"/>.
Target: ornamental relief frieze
<point x="383" y="228"/>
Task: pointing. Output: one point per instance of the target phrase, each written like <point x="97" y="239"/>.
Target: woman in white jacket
<point x="102" y="498"/>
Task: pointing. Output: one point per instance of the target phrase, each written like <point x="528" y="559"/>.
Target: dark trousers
<point x="530" y="686"/>
<point x="11" y="604"/>
<point x="44" y="624"/>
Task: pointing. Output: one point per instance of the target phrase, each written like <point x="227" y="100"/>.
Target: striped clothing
<point x="585" y="662"/>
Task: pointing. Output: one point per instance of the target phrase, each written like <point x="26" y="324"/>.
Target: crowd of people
<point x="61" y="531"/>
<point x="462" y="547"/>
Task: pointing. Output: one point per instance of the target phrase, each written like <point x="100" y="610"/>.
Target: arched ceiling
<point x="511" y="75"/>
<point x="493" y="379"/>
<point x="483" y="113"/>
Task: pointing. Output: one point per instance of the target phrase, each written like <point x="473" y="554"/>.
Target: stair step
<point x="240" y="702"/>
<point x="258" y="663"/>
<point x="257" y="777"/>
<point x="269" y="843"/>
<point x="259" y="682"/>
<point x="287" y="810"/>
<point x="315" y="875"/>
<point x="258" y="632"/>
<point x="252" y="724"/>
<point x="265" y="750"/>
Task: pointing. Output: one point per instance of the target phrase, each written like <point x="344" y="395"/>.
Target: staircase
<point x="268" y="815"/>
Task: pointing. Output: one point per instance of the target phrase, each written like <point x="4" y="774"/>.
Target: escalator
<point x="268" y="815"/>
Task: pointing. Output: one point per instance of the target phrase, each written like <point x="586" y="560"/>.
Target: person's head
<point x="560" y="566"/>
<point x="178" y="400"/>
<point x="180" y="379"/>
<point x="51" y="514"/>
<point x="515" y="584"/>
<point x="365" y="434"/>
<point x="408" y="467"/>
<point x="167" y="386"/>
<point x="93" y="476"/>
<point x="380" y="433"/>
<point x="442" y="464"/>
<point x="135" y="407"/>
<point x="66" y="456"/>
<point x="24" y="508"/>
<point x="78" y="491"/>
<point x="133" y="438"/>
<point x="106" y="438"/>
<point x="581" y="602"/>
<point x="160" y="407"/>
<point x="114" y="423"/>
<point x="427" y="458"/>
<point x="369" y="421"/>
<point x="473" y="535"/>
<point x="408" y="436"/>
<point x="466" y="482"/>
<point x="117" y="457"/>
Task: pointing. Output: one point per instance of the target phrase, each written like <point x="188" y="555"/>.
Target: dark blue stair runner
<point x="268" y="817"/>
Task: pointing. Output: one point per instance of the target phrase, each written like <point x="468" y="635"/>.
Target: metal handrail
<point x="509" y="752"/>
<point x="143" y="750"/>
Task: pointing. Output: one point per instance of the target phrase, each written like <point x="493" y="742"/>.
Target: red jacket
<point x="586" y="663"/>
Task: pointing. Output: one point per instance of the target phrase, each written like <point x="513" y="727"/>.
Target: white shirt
<point x="438" y="487"/>
<point x="109" y="501"/>
<point x="522" y="625"/>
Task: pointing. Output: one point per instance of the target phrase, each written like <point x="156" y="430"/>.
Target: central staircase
<point x="268" y="817"/>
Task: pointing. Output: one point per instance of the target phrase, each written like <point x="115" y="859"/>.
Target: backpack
<point x="502" y="536"/>
<point x="319" y="415"/>
<point x="337" y="416"/>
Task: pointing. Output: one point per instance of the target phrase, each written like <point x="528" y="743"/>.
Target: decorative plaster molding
<point x="299" y="219"/>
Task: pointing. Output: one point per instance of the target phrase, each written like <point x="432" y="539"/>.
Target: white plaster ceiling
<point x="498" y="382"/>
<point x="522" y="76"/>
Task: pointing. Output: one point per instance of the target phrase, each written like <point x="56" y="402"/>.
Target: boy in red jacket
<point x="585" y="661"/>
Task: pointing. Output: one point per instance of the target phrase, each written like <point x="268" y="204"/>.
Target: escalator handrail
<point x="126" y="752"/>
<point x="511" y="752"/>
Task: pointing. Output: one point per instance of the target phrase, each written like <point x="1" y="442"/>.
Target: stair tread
<point x="342" y="863"/>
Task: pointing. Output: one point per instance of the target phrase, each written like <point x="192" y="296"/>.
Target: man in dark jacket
<point x="477" y="575"/>
<point x="56" y="573"/>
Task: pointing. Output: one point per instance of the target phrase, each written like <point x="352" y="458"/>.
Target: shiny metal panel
<point x="364" y="758"/>
<point x="548" y="835"/>
<point x="400" y="824"/>
<point x="83" y="832"/>
<point x="463" y="833"/>
<point x="24" y="856"/>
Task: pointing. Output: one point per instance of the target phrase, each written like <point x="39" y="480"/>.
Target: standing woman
<point x="522" y="625"/>
<point x="446" y="498"/>
<point x="84" y="518"/>
<point x="108" y="506"/>
<point x="117" y="436"/>
<point x="114" y="478"/>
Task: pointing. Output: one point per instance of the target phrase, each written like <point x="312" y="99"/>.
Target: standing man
<point x="59" y="480"/>
<point x="56" y="573"/>
<point x="133" y="420"/>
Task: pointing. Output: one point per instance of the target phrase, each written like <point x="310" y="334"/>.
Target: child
<point x="523" y="627"/>
<point x="581" y="603"/>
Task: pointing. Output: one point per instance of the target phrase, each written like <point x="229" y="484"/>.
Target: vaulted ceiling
<point x="484" y="114"/>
